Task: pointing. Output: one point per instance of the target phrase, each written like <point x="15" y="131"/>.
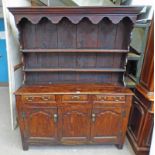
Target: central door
<point x="75" y="124"/>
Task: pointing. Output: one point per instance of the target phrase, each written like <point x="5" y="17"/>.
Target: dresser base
<point x="73" y="114"/>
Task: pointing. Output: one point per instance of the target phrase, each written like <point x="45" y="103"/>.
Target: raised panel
<point x="40" y="123"/>
<point x="106" y="124"/>
<point x="75" y="124"/>
<point x="136" y="120"/>
<point x="148" y="130"/>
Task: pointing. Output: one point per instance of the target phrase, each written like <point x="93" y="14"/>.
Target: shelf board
<point x="133" y="56"/>
<point x="131" y="76"/>
<point x="74" y="70"/>
<point x="74" y="50"/>
<point x="129" y="82"/>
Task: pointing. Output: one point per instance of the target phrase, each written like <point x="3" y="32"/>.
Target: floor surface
<point x="10" y="142"/>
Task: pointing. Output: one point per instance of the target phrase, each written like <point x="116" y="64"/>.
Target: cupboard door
<point x="41" y="124"/>
<point x="75" y="125"/>
<point x="137" y="116"/>
<point x="106" y="124"/>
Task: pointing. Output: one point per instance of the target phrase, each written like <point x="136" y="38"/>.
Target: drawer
<point x="109" y="98"/>
<point x="74" y="97"/>
<point x="41" y="98"/>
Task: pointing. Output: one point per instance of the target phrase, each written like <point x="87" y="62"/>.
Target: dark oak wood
<point x="36" y="116"/>
<point x="75" y="14"/>
<point x="74" y="50"/>
<point x="75" y="124"/>
<point x="75" y="70"/>
<point x="147" y="75"/>
<point x="73" y="114"/>
<point x="71" y="89"/>
<point x="106" y="124"/>
<point x="73" y="37"/>
<point x="73" y="64"/>
<point x="141" y="120"/>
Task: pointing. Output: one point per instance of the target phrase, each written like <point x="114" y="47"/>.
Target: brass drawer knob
<point x="30" y="98"/>
<point x="117" y="99"/>
<point x="103" y="98"/>
<point x="93" y="117"/>
<point x="55" y="118"/>
<point x="75" y="97"/>
<point x="45" y="98"/>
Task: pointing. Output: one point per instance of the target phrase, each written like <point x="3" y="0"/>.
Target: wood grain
<point x="74" y="62"/>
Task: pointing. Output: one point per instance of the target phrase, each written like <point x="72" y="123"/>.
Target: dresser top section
<point x="75" y="14"/>
<point x="74" y="89"/>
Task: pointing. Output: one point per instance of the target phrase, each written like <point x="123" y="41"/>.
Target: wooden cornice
<point x="75" y="14"/>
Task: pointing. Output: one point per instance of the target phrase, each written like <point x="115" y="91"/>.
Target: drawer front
<point x="41" y="98"/>
<point x="74" y="98"/>
<point x="106" y="98"/>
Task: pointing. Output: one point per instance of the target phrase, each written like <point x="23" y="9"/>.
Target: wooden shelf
<point x="133" y="56"/>
<point x="74" y="50"/>
<point x="130" y="82"/>
<point x="75" y="44"/>
<point x="75" y="70"/>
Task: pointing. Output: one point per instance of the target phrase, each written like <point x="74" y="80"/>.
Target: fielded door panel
<point x="137" y="116"/>
<point x="41" y="124"/>
<point x="75" y="124"/>
<point x="106" y="124"/>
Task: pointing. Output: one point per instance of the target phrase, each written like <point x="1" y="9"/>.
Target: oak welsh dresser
<point x="73" y="62"/>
